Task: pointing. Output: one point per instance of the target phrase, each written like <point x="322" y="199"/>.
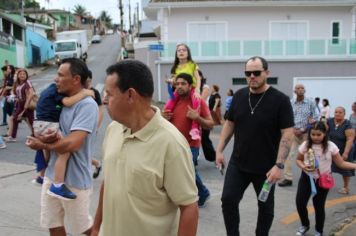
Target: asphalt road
<point x="101" y="56"/>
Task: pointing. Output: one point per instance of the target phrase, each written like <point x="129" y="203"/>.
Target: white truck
<point x="71" y="44"/>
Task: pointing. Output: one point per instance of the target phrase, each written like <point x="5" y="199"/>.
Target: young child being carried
<point x="48" y="111"/>
<point x="323" y="153"/>
<point x="184" y="63"/>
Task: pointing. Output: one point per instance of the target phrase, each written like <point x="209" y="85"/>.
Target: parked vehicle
<point x="71" y="44"/>
<point x="96" y="39"/>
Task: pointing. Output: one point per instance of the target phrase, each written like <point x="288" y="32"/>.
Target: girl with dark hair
<point x="325" y="152"/>
<point x="325" y="110"/>
<point x="5" y="92"/>
<point x="23" y="92"/>
<point x="183" y="63"/>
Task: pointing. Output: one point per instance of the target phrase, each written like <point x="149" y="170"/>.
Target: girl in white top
<point x="325" y="110"/>
<point x="324" y="152"/>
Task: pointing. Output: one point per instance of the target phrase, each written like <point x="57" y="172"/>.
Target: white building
<point x="301" y="39"/>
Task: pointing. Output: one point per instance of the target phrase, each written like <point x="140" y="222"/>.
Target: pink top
<point x="324" y="158"/>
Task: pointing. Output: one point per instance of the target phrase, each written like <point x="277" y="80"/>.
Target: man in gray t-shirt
<point x="78" y="126"/>
<point x="81" y="116"/>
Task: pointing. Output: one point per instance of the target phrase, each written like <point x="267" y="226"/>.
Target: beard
<point x="257" y="85"/>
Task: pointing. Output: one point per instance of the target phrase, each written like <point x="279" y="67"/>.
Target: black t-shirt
<point x="212" y="100"/>
<point x="97" y="97"/>
<point x="8" y="81"/>
<point x="257" y="135"/>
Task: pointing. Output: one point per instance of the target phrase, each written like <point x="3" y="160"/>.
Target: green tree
<point x="80" y="10"/>
<point x="106" y="18"/>
<point x="16" y="4"/>
<point x="31" y="4"/>
<point x="9" y="5"/>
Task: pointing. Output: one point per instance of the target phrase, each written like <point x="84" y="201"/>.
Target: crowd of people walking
<point x="143" y="185"/>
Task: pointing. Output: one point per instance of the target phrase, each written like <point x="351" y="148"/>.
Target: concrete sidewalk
<point x="32" y="71"/>
<point x="20" y="208"/>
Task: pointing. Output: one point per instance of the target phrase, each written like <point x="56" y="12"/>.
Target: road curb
<point x="341" y="228"/>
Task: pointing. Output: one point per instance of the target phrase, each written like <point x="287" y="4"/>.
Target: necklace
<point x="258" y="102"/>
<point x="337" y="124"/>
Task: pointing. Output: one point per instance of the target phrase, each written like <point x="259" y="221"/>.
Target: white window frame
<point x="331" y="32"/>
<point x="225" y="23"/>
<point x="224" y="39"/>
<point x="288" y="21"/>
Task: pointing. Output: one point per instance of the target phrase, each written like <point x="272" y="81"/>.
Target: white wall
<point x="253" y="22"/>
<point x="340" y="91"/>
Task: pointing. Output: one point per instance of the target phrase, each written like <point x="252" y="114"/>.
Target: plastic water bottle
<point x="263" y="196"/>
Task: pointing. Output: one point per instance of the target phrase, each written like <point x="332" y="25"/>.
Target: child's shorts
<point x="41" y="127"/>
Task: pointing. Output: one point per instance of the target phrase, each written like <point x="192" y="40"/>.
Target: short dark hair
<point x="12" y="68"/>
<point x="317" y="99"/>
<point x="133" y="74"/>
<point x="326" y="101"/>
<point x="90" y="74"/>
<point x="77" y="67"/>
<point x="263" y="61"/>
<point x="186" y="77"/>
<point x="216" y="88"/>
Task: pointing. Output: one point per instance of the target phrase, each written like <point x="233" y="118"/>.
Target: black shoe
<point x="96" y="172"/>
<point x="285" y="183"/>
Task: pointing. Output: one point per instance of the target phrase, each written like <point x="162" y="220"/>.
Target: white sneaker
<point x="2" y="145"/>
<point x="302" y="230"/>
<point x="10" y="139"/>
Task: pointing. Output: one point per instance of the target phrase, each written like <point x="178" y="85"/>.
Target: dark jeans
<point x="7" y="110"/>
<point x="207" y="145"/>
<point x="202" y="190"/>
<point x="352" y="155"/>
<point x="302" y="198"/>
<point x="236" y="182"/>
<point x="4" y="116"/>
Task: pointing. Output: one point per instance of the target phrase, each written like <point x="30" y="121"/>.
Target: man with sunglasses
<point x="261" y="120"/>
<point x="304" y="114"/>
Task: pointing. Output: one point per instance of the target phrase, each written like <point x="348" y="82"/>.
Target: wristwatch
<point x="280" y="165"/>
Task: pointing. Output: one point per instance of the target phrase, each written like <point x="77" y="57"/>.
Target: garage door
<point x="340" y="91"/>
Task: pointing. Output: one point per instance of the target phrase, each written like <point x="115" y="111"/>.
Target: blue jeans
<point x="202" y="190"/>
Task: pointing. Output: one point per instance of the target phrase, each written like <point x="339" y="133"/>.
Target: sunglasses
<point x="255" y="73"/>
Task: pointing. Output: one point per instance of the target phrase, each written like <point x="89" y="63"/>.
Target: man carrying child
<point x="78" y="126"/>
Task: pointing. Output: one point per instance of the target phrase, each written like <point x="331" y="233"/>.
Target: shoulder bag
<point x="326" y="181"/>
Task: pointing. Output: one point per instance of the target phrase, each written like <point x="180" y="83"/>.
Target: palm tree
<point x="106" y="18"/>
<point x="80" y="11"/>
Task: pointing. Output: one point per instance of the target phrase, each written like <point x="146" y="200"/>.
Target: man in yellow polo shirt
<point x="149" y="182"/>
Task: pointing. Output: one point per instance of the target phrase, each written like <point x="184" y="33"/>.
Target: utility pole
<point x="130" y="30"/>
<point x="121" y="23"/>
<point x="138" y="19"/>
<point x="23" y="11"/>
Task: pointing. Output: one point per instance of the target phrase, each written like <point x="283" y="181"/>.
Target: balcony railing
<point x="293" y="49"/>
